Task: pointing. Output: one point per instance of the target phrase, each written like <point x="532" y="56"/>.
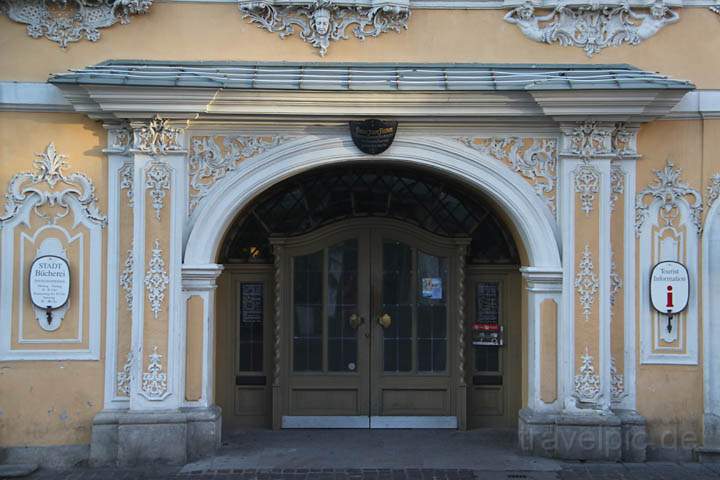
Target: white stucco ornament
<point x="67" y="21"/>
<point x="320" y="22"/>
<point x="592" y="26"/>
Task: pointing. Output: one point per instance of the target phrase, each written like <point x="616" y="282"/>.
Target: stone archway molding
<point x="530" y="219"/>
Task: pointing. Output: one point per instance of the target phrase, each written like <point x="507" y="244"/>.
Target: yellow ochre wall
<point x="671" y="396"/>
<point x="52" y="402"/>
<point x="190" y="31"/>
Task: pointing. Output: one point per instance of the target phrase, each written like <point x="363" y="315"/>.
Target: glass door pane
<point x="308" y="312"/>
<point x="342" y="304"/>
<point x="431" y="313"/>
<point x="397" y="302"/>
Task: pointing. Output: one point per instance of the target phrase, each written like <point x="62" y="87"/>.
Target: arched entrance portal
<point x="289" y="392"/>
<point x="375" y="268"/>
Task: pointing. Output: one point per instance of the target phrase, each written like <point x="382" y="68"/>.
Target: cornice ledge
<point x="637" y="106"/>
<point x="542" y="279"/>
<point x="200" y="277"/>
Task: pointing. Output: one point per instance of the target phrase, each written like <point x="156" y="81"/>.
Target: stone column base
<point x="172" y="437"/>
<point x="619" y="435"/>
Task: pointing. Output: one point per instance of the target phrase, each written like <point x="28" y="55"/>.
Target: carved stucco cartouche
<point x="592" y="26"/>
<point x="68" y="21"/>
<point x="320" y="22"/>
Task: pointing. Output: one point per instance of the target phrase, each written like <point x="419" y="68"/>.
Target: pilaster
<point x="159" y="210"/>
<point x="544" y="342"/>
<point x="198" y="284"/>
<point x="596" y="163"/>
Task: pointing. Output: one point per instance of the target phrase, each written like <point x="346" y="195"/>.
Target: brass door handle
<point x="384" y="320"/>
<point x="356" y="320"/>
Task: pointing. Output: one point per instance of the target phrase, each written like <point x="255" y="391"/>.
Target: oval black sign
<point x="373" y="136"/>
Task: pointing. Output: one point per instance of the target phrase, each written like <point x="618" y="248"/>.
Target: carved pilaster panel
<point x="586" y="282"/>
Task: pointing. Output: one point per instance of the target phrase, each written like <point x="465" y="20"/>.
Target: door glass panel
<point x="307" y="312"/>
<point x="250" y="327"/>
<point x="487" y="310"/>
<point x="431" y="313"/>
<point x="342" y="302"/>
<point x="397" y="302"/>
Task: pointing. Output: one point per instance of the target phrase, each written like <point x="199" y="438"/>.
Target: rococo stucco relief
<point x="320" y="22"/>
<point x="588" y="25"/>
<point x="68" y="21"/>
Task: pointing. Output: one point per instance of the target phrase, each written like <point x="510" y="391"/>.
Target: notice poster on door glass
<point x="432" y="288"/>
<point x="486" y="303"/>
<point x="251" y="303"/>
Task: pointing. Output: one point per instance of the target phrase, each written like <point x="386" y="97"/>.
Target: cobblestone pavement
<point x="569" y="471"/>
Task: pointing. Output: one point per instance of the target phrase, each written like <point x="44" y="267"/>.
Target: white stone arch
<point x="711" y="329"/>
<point x="531" y="219"/>
<point x="532" y="222"/>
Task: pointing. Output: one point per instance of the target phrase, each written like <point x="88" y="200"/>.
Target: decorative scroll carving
<point x="119" y="138"/>
<point x="587" y="383"/>
<point x="157" y="137"/>
<point x="124" y="375"/>
<point x="126" y="278"/>
<point x="49" y="169"/>
<point x="533" y="158"/>
<point x="592" y="26"/>
<point x="623" y="140"/>
<point x="617" y="382"/>
<point x="461" y="253"/>
<point x="67" y="21"/>
<point x="586" y="282"/>
<point x="713" y="190"/>
<point x="589" y="139"/>
<point x="210" y="161"/>
<point x="616" y="282"/>
<point x="154" y="381"/>
<point x="323" y="21"/>
<point x="157" y="180"/>
<point x="127" y="175"/>
<point x="617" y="183"/>
<point x="669" y="190"/>
<point x="277" y="345"/>
<point x="156" y="280"/>
<point x="587" y="184"/>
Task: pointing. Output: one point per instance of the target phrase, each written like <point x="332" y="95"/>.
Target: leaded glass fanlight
<point x="319" y="197"/>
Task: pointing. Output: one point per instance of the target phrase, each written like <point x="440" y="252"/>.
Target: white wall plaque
<point x="669" y="290"/>
<point x="49" y="285"/>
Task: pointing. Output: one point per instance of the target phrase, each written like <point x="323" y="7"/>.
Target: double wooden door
<point x="368" y="327"/>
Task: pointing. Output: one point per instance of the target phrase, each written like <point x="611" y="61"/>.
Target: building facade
<point x="352" y="214"/>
